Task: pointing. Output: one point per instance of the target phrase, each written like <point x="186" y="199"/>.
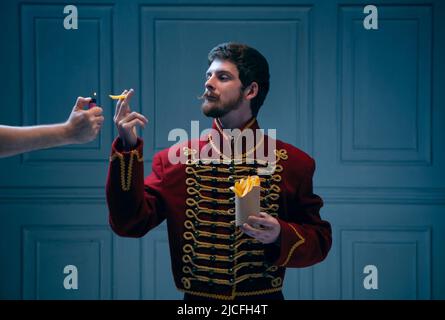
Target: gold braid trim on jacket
<point x="210" y="233"/>
<point x="126" y="181"/>
<point x="295" y="246"/>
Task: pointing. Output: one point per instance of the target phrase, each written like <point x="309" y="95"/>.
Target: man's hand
<point x="126" y="121"/>
<point x="268" y="231"/>
<point x="83" y="125"/>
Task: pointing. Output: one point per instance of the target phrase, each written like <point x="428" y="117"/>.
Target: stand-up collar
<point x="236" y="141"/>
<point x="252" y="124"/>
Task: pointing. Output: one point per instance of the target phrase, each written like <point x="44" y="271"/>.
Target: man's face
<point x="223" y="89"/>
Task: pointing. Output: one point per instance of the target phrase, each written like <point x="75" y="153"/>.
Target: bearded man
<point x="212" y="257"/>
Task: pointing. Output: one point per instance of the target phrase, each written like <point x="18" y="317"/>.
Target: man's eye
<point x="224" y="77"/>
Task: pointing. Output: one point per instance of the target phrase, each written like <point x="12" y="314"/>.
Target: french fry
<point x="243" y="184"/>
<point x="242" y="187"/>
<point x="117" y="97"/>
<point x="248" y="187"/>
<point x="235" y="190"/>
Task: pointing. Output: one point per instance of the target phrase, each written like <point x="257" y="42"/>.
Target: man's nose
<point x="209" y="84"/>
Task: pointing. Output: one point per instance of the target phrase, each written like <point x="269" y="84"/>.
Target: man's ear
<point x="251" y="91"/>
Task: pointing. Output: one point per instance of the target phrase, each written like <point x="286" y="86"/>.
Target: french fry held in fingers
<point x="117" y="97"/>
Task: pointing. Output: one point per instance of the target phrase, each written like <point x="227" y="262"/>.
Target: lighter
<point x="93" y="101"/>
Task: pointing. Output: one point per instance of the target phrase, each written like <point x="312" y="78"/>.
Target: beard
<point x="217" y="109"/>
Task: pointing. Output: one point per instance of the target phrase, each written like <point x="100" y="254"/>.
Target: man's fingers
<point x="135" y="115"/>
<point x="249" y="229"/>
<point x="133" y="123"/>
<point x="252" y="220"/>
<point x="263" y="236"/>
<point x="268" y="234"/>
<point x="124" y="104"/>
<point x="128" y="96"/>
<point x="118" y="112"/>
<point x="119" y="102"/>
<point x="81" y="102"/>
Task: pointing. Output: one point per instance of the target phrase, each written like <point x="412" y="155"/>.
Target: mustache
<point x="206" y="94"/>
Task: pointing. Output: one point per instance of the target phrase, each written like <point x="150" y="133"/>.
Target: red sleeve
<point x="305" y="239"/>
<point x="134" y="208"/>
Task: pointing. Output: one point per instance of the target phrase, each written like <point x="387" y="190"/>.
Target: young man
<point x="82" y="126"/>
<point x="211" y="257"/>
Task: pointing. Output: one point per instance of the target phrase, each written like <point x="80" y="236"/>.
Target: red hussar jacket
<point x="210" y="256"/>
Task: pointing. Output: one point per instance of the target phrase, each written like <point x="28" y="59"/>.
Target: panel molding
<point x="30" y="17"/>
<point x="94" y="195"/>
<point x="418" y="237"/>
<point x="34" y="236"/>
<point x="50" y="195"/>
<point x="421" y="196"/>
<point x="421" y="154"/>
<point x="299" y="283"/>
<point x="150" y="259"/>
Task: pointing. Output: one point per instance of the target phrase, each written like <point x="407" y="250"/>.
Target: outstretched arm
<point x="82" y="126"/>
